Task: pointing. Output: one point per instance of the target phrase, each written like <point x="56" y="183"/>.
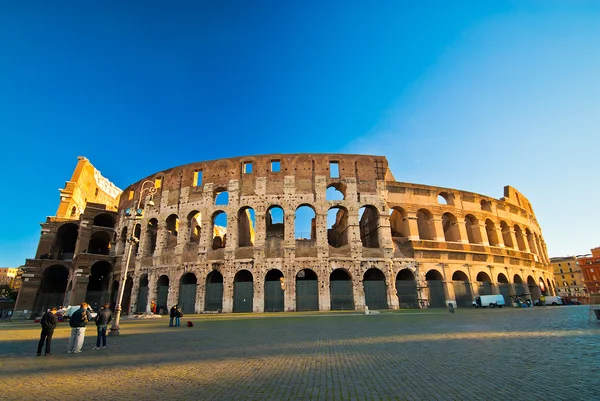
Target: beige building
<point x="8" y="276"/>
<point x="569" y="278"/>
<point x="283" y="232"/>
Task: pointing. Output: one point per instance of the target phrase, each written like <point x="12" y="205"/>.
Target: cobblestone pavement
<point x="549" y="353"/>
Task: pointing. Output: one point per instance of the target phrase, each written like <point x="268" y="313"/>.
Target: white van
<point x="492" y="301"/>
<point x="554" y="300"/>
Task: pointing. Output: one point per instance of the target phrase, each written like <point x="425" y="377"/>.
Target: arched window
<point x="335" y="192"/>
<point x="425" y="224"/>
<point x="304" y="223"/>
<point x="369" y="226"/>
<point x="506" y="237"/>
<point x="219" y="223"/>
<point x="520" y="238"/>
<point x="246" y="226"/>
<point x="172" y="230"/>
<point x="337" y="227"/>
<point x="492" y="235"/>
<point x="399" y="223"/>
<point x="445" y="198"/>
<point x="221" y="197"/>
<point x="194" y="225"/>
<point x="450" y="224"/>
<point x="472" y="228"/>
<point x="152" y="231"/>
<point x="275" y="225"/>
<point x="486" y="205"/>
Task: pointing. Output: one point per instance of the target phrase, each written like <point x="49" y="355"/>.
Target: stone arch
<point x="531" y="241"/>
<point x="485" y="205"/>
<point x="505" y="288"/>
<point x="542" y="286"/>
<point x="275" y="218"/>
<point x="446" y="198"/>
<point x="194" y="223"/>
<point x="399" y="222"/>
<point x="492" y="234"/>
<point x="506" y="237"/>
<point x="462" y="289"/>
<point x="65" y="242"/>
<point x="307" y="290"/>
<point x="520" y="238"/>
<point x="221" y="196"/>
<point x="243" y="291"/>
<point x="485" y="283"/>
<point x="187" y="293"/>
<point x="137" y="233"/>
<point x="123" y="240"/>
<point x="104" y="220"/>
<point x="472" y="228"/>
<point x="246" y="226"/>
<point x="214" y="292"/>
<point x="162" y="294"/>
<point x="151" y="236"/>
<point x="219" y="229"/>
<point x="274" y="293"/>
<point x="534" y="290"/>
<point x="435" y="285"/>
<point x="97" y="293"/>
<point x="550" y="288"/>
<point x="375" y="289"/>
<point x="341" y="290"/>
<point x="369" y="226"/>
<point x="126" y="303"/>
<point x="172" y="225"/>
<point x="335" y="192"/>
<point x="99" y="243"/>
<point x="305" y="223"/>
<point x="337" y="226"/>
<point x="502" y="278"/>
<point x="52" y="288"/>
<point x="425" y="224"/>
<point x="142" y="298"/>
<point x="450" y="225"/>
<point x="406" y="289"/>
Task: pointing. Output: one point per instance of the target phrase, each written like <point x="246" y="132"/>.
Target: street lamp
<point x="131" y="215"/>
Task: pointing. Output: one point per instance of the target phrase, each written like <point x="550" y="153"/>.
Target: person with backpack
<point x="102" y="320"/>
<point x="78" y="323"/>
<point x="48" y="321"/>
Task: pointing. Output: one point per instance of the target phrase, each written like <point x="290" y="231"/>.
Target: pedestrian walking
<point x="103" y="318"/>
<point x="48" y="321"/>
<point x="78" y="323"/>
<point x="172" y="315"/>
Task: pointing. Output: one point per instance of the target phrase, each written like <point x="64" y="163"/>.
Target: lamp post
<point x="131" y="215"/>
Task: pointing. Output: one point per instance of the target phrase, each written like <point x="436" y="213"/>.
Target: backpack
<point x="190" y="324"/>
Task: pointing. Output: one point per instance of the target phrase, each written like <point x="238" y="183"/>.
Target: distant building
<point x="8" y="275"/>
<point x="569" y="278"/>
<point x="590" y="267"/>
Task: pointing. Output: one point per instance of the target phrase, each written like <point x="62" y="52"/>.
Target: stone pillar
<point x="392" y="292"/>
<point x="161" y="238"/>
<point x="152" y="287"/>
<point x="359" y="294"/>
<point x="227" y="294"/>
<point x="438" y="229"/>
<point x="482" y="233"/>
<point x="289" y="293"/>
<point x="462" y="232"/>
<point x="173" y="296"/>
<point x="135" y="292"/>
<point x="324" y="293"/>
<point x="499" y="235"/>
<point x="80" y="287"/>
<point x="413" y="227"/>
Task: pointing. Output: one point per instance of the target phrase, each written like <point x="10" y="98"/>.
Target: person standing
<point x="178" y="316"/>
<point x="78" y="323"/>
<point x="172" y="315"/>
<point x="48" y="321"/>
<point x="102" y="320"/>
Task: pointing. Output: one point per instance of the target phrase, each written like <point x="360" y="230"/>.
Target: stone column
<point x="161" y="238"/>
<point x="499" y="235"/>
<point x="462" y="232"/>
<point x="413" y="227"/>
<point x="483" y="233"/>
<point x="227" y="294"/>
<point x="324" y="293"/>
<point x="392" y="292"/>
<point x="359" y="294"/>
<point x="135" y="292"/>
<point x="438" y="229"/>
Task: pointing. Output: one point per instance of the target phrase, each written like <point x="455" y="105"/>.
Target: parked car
<point x="73" y="308"/>
<point x="554" y="300"/>
<point x="492" y="301"/>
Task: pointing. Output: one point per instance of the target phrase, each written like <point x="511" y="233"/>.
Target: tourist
<point x="78" y="322"/>
<point x="102" y="319"/>
<point x="153" y="307"/>
<point x="178" y="316"/>
<point x="172" y="315"/>
<point x="48" y="321"/>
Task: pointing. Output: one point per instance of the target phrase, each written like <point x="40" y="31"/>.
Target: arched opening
<point x="172" y="224"/>
<point x="435" y="285"/>
<point x="214" y="292"/>
<point x="274" y="291"/>
<point x="243" y="291"/>
<point x="151" y="236"/>
<point x="425" y="224"/>
<point x="187" y="293"/>
<point x="137" y="233"/>
<point x="142" y="299"/>
<point x="246" y="226"/>
<point x="549" y="288"/>
<point x="221" y="197"/>
<point x="450" y="225"/>
<point x="534" y="290"/>
<point x="472" y="228"/>
<point x="445" y="198"/>
<point x="520" y="238"/>
<point x="73" y="211"/>
<point x="486" y="205"/>
<point x="98" y="285"/>
<point x="307" y="291"/>
<point x="505" y="289"/>
<point x="194" y="220"/>
<point x="492" y="234"/>
<point x="369" y="226"/>
<point x="123" y="240"/>
<point x="333" y="193"/>
<point x="304" y="223"/>
<point x="406" y="288"/>
<point x="485" y="283"/>
<point x="506" y="237"/>
<point x="52" y="288"/>
<point x="99" y="243"/>
<point x="126" y="304"/>
<point x="162" y="292"/>
<point x="275" y="219"/>
<point x="375" y="289"/>
<point x="521" y="289"/>
<point x="399" y="223"/>
<point x="340" y="289"/>
<point x="531" y="241"/>
<point x="104" y="220"/>
<point x="114" y="293"/>
<point x="66" y="239"/>
<point x="542" y="286"/>
<point x="337" y="227"/>
<point x="462" y="289"/>
<point x="219" y="223"/>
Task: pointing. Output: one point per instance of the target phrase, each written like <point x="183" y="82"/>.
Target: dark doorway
<point x="162" y="292"/>
<point x="99" y="281"/>
<point x="52" y="288"/>
<point x="142" y="295"/>
<point x="214" y="292"/>
<point x="307" y="291"/>
<point x="243" y="291"/>
<point x="435" y="284"/>
<point x="340" y="287"/>
<point x="375" y="289"/>
<point x="274" y="294"/>
<point x="406" y="287"/>
<point x="462" y="289"/>
<point x="187" y="293"/>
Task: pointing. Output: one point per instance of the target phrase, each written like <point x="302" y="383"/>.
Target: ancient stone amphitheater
<point x="283" y="233"/>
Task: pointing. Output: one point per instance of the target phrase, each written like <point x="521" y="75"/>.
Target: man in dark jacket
<point x="78" y="322"/>
<point x="103" y="318"/>
<point x="48" y="321"/>
<point x="173" y="315"/>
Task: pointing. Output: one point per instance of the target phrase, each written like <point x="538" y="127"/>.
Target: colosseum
<point x="282" y="233"/>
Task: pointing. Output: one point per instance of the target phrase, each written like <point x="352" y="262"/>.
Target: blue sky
<point x="467" y="94"/>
